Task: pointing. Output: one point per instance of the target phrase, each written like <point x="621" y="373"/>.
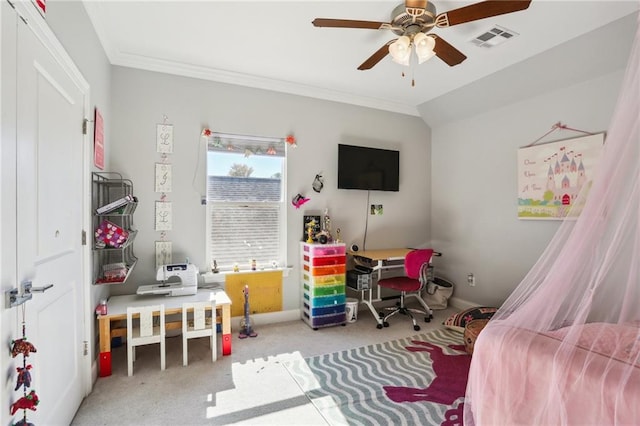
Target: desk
<point x="379" y="260"/>
<point x="117" y="311"/>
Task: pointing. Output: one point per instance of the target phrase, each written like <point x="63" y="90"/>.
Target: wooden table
<point x="379" y="260"/>
<point x="109" y="324"/>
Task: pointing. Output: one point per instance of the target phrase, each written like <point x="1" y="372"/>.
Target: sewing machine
<point x="188" y="285"/>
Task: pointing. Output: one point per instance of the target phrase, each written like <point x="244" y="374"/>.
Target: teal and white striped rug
<point x="416" y="380"/>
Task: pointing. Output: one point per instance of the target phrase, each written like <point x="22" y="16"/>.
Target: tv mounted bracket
<point x="17" y="296"/>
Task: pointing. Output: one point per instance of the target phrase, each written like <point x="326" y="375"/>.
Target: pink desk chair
<point x="416" y="266"/>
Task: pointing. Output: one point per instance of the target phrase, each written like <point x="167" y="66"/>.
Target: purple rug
<point x="415" y="380"/>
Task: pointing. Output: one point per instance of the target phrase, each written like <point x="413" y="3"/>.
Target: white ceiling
<point x="273" y="45"/>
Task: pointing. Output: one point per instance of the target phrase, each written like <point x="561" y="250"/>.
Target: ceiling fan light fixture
<point x="400" y="50"/>
<point x="424" y="46"/>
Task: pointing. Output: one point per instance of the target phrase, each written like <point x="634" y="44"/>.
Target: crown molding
<point x="116" y="57"/>
<point x="246" y="80"/>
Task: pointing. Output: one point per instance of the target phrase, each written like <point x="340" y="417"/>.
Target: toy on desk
<point x="326" y="225"/>
<point x="245" y="323"/>
<point x="310" y="225"/>
<point x="186" y="272"/>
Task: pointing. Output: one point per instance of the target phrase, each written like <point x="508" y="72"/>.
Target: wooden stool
<point x="471" y="332"/>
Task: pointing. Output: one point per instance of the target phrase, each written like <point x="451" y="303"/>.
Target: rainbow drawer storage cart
<point x="323" y="279"/>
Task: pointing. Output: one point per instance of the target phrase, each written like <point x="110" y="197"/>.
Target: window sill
<point x="211" y="278"/>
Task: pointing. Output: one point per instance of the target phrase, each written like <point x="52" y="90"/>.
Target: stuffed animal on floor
<point x="21" y="346"/>
<point x="24" y="377"/>
<point x="28" y="402"/>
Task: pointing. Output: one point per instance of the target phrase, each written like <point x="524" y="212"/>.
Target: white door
<point x="50" y="112"/>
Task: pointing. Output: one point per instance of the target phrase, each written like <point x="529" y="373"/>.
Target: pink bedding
<point x="525" y="384"/>
<point x="619" y="341"/>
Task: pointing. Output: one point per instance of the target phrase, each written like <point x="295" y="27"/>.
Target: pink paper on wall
<point x="98" y="141"/>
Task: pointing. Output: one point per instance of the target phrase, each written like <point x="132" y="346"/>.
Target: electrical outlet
<point x="471" y="279"/>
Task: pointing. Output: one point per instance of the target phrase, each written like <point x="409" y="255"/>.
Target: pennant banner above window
<point x="248" y="145"/>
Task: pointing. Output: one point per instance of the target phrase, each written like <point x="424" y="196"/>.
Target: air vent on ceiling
<point x="495" y="36"/>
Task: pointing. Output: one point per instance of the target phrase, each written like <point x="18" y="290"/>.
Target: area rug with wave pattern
<point x="417" y="380"/>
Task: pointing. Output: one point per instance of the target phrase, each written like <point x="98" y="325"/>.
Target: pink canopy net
<point x="565" y="346"/>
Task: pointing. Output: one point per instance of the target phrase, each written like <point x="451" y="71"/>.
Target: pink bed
<point x="532" y="382"/>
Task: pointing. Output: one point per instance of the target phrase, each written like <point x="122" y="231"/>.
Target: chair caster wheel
<point x="416" y="327"/>
<point x="386" y="324"/>
<point x="380" y="315"/>
<point x="379" y="326"/>
<point x="427" y="319"/>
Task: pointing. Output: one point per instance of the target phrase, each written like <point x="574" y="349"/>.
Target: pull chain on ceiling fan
<point x="414" y="19"/>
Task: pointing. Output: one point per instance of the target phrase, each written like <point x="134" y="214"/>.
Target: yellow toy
<point x="310" y="226"/>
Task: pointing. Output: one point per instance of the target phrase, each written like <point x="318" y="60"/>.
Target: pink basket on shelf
<point x="111" y="234"/>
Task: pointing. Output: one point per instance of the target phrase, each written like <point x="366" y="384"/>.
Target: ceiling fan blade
<point x="348" y="23"/>
<point x="449" y="54"/>
<point x="376" y="57"/>
<point x="481" y="10"/>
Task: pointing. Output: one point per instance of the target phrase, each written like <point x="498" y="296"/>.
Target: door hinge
<point x="84" y="126"/>
<point x="85" y="348"/>
<point x="84" y="237"/>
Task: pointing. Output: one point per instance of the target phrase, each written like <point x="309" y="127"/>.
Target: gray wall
<point x="141" y="99"/>
<point x="476" y="132"/>
<point x="470" y="192"/>
<point x="474" y="194"/>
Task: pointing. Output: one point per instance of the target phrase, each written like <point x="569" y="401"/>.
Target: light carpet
<point x="414" y="380"/>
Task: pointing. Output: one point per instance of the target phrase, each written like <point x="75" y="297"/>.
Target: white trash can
<point x="352" y="309"/>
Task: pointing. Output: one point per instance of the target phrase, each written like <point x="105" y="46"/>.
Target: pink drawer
<point x="325" y="249"/>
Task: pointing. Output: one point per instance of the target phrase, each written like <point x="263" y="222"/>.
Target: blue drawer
<point x="325" y="320"/>
<point x="325" y="310"/>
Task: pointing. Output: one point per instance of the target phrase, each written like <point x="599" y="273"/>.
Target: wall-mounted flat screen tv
<point x="367" y="168"/>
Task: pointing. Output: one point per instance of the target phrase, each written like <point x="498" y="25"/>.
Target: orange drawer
<point x="327" y="270"/>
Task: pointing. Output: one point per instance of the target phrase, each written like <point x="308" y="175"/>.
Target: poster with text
<point x="551" y="175"/>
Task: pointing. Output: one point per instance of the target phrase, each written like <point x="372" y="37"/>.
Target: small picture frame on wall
<point x="163" y="253"/>
<point x="163" y="177"/>
<point x="163" y="216"/>
<point x="164" y="138"/>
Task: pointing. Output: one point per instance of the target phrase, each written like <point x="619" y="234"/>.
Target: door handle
<point x="18" y="296"/>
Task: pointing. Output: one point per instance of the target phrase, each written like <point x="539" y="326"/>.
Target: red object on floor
<point x="226" y="344"/>
<point x="105" y="364"/>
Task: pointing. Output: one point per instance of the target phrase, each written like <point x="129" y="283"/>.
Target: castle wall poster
<point x="551" y="175"/>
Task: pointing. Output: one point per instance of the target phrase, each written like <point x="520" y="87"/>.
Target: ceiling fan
<point x="413" y="20"/>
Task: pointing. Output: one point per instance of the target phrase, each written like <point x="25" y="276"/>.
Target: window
<point x="246" y="214"/>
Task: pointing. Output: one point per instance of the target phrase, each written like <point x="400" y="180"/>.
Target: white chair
<point x="198" y="326"/>
<point x="145" y="333"/>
